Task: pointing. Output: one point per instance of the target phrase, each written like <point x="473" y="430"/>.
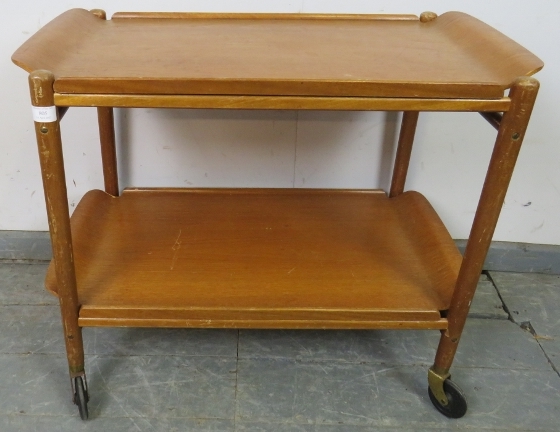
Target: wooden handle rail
<point x="263" y="16"/>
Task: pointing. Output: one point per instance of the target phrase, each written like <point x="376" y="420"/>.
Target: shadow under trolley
<point x="271" y="258"/>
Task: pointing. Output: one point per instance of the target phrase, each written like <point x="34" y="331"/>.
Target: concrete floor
<point x="321" y="381"/>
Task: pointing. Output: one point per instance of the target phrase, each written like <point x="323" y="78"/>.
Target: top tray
<point x="452" y="56"/>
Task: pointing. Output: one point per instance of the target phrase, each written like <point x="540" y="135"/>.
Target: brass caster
<point x="445" y="395"/>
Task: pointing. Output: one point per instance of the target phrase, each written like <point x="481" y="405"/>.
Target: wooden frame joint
<point x="494" y="118"/>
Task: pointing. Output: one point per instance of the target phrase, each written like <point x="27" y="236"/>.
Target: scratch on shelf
<point x="176" y="246"/>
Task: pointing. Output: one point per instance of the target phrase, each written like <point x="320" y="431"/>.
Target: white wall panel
<point x="288" y="148"/>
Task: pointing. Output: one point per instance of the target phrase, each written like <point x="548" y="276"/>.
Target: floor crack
<point x="525" y="325"/>
<point x="528" y="327"/>
<point x="504" y="305"/>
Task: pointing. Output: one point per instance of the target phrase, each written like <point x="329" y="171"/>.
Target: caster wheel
<point x="457" y="406"/>
<point x="81" y="397"/>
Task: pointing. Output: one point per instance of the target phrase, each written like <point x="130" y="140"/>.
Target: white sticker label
<point x="44" y="114"/>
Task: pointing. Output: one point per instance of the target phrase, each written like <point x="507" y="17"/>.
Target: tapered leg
<point x="404" y="150"/>
<point x="47" y="129"/>
<point x="506" y="149"/>
<point x="108" y="149"/>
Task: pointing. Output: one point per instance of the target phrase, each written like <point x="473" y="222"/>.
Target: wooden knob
<point x="99" y="13"/>
<point x="427" y="16"/>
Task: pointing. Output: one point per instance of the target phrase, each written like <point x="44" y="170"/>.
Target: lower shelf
<point x="266" y="258"/>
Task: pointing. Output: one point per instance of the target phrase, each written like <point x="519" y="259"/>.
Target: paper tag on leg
<point x="44" y="114"/>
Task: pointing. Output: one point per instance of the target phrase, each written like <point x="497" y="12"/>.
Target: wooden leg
<point x="107" y="138"/>
<point x="54" y="183"/>
<point x="404" y="149"/>
<point x="506" y="149"/>
<point x="108" y="149"/>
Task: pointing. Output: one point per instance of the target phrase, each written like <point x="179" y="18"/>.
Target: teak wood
<point x="404" y="151"/>
<point x="217" y="55"/>
<point x="508" y="143"/>
<point x="271" y="258"/>
<point x="271" y="255"/>
<point x="52" y="169"/>
<point x="283" y="102"/>
<point x="108" y="150"/>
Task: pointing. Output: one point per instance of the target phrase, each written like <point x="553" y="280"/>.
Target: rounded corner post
<point x="41" y="84"/>
<point x="49" y="142"/>
<point x="511" y="133"/>
<point x="527" y="83"/>
<point x="99" y="13"/>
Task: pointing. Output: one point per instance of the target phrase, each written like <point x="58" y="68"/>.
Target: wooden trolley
<point x="271" y="258"/>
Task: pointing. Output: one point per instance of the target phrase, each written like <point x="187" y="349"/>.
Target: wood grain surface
<point x="213" y="257"/>
<point x="303" y="57"/>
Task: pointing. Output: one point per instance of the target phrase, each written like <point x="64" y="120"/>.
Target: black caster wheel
<point x="457" y="403"/>
<point x="81" y="397"/>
